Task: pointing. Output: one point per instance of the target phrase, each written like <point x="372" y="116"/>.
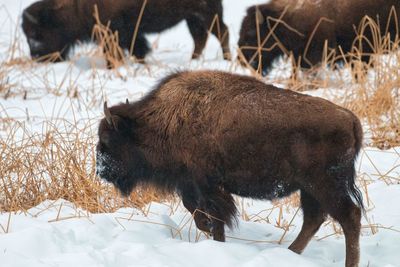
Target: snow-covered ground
<point x="56" y="233"/>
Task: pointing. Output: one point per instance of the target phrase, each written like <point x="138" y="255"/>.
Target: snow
<point x="56" y="233"/>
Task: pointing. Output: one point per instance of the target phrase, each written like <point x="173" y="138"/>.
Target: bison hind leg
<point x="340" y="198"/>
<point x="199" y="34"/>
<point x="313" y="217"/>
<point x="141" y="48"/>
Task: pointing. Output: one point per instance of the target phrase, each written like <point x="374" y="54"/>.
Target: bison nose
<point x="34" y="45"/>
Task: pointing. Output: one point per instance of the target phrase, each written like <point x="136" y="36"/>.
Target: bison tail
<point x="351" y="185"/>
<point x="355" y="192"/>
<point x="358" y="134"/>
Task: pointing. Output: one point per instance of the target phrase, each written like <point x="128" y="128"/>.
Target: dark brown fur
<point x="207" y="135"/>
<point x="340" y="19"/>
<point x="59" y="24"/>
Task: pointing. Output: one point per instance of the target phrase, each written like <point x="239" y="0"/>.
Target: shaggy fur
<point x="209" y="134"/>
<point x="56" y="25"/>
<point x="313" y="22"/>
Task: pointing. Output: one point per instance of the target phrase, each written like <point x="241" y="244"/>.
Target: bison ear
<point x="111" y="120"/>
<point x="116" y="122"/>
<point x="260" y="19"/>
<point x="28" y="16"/>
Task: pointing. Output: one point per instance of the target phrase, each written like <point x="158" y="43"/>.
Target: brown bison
<point x="301" y="28"/>
<point x="209" y="134"/>
<point x="56" y="25"/>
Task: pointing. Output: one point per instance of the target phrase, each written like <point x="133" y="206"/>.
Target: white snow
<point x="56" y="233"/>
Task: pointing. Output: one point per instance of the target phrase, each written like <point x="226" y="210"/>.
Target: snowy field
<point x="35" y="98"/>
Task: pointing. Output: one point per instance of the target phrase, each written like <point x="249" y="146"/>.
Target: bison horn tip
<point x="259" y="17"/>
<point x="107" y="113"/>
<point x="29" y="17"/>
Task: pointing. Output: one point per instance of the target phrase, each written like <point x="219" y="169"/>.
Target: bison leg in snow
<point x="141" y="48"/>
<point x="335" y="200"/>
<point x="198" y="28"/>
<point x="220" y="30"/>
<point x="199" y="34"/>
<point x="199" y="25"/>
<point x="313" y="217"/>
<point x="211" y="208"/>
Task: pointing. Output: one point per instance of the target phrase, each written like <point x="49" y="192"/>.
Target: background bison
<point x="207" y="135"/>
<point x="56" y="25"/>
<point x="301" y="28"/>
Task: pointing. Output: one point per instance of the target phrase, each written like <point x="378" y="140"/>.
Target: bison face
<point x="253" y="32"/>
<point x="46" y="32"/>
<point x="118" y="159"/>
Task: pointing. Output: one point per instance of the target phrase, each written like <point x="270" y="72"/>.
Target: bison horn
<point x="30" y="17"/>
<point x="127" y="101"/>
<point x="259" y="17"/>
<point x="108" y="114"/>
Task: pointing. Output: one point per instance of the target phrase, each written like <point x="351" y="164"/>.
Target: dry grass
<point x="58" y="164"/>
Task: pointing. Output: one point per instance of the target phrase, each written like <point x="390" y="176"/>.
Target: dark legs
<point x="199" y="34"/>
<point x="312" y="219"/>
<point x="220" y="30"/>
<point x="140" y="48"/>
<point x="211" y="208"/>
<point x="331" y="198"/>
<point x="199" y="26"/>
<point x="349" y="218"/>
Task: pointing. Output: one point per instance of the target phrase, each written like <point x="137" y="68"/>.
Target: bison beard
<point x="207" y="135"/>
<point x="310" y="25"/>
<point x="53" y="26"/>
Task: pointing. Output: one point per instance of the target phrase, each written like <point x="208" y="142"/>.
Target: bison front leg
<point x="221" y="208"/>
<point x="202" y="221"/>
<point x="211" y="209"/>
<point x="199" y="34"/>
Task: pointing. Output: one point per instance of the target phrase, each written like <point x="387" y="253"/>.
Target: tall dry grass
<point x="56" y="164"/>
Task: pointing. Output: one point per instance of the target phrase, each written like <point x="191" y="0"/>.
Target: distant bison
<point x="56" y="25"/>
<point x="207" y="135"/>
<point x="301" y="27"/>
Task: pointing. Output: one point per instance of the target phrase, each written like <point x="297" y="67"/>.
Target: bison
<point x="208" y="134"/>
<point x="56" y="25"/>
<point x="302" y="28"/>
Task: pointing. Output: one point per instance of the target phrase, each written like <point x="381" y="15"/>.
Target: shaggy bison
<point x="303" y="28"/>
<point x="56" y="25"/>
<point x="207" y="135"/>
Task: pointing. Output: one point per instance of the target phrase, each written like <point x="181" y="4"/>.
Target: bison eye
<point x="105" y="139"/>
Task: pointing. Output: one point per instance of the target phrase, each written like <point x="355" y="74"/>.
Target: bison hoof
<point x="227" y="56"/>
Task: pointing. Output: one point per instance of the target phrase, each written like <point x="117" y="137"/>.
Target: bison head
<point x="46" y="29"/>
<point x="254" y="33"/>
<point x="118" y="158"/>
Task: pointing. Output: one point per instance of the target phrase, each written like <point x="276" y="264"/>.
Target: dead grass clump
<point x="108" y="42"/>
<point x="57" y="165"/>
